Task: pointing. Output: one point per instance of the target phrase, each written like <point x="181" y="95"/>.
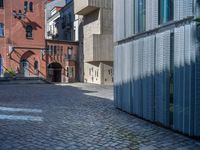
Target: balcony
<point x="84" y="7"/>
<point x="98" y="48"/>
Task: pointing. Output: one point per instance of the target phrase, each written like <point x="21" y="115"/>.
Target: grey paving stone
<point x="78" y="116"/>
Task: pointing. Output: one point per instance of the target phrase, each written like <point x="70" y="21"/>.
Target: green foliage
<point x="10" y="71"/>
<point x="198" y="21"/>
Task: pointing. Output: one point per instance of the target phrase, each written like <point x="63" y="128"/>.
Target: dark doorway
<point x="55" y="72"/>
<point x="24" y="66"/>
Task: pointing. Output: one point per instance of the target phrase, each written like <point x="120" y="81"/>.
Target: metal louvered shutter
<point x="151" y="14"/>
<point x="126" y="81"/>
<point x="162" y="78"/>
<point x="176" y="9"/>
<point x="178" y="78"/>
<point x="148" y="78"/>
<point x="129" y="17"/>
<point x="115" y="21"/>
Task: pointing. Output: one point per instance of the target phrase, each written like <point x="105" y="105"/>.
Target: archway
<point x="26" y="63"/>
<point x="24" y="66"/>
<point x="55" y="72"/>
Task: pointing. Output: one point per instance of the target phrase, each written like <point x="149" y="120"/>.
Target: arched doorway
<point x="1" y="66"/>
<point x="55" y="72"/>
<point x="24" y="66"/>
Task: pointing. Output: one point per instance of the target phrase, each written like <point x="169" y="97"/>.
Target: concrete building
<point x="157" y="62"/>
<point x="97" y="39"/>
<point x="22" y="37"/>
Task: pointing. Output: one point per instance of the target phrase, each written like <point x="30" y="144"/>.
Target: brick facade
<point x="24" y="49"/>
<point x="58" y="54"/>
<point x="27" y="55"/>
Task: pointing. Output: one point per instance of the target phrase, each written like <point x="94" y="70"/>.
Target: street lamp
<point x="19" y="15"/>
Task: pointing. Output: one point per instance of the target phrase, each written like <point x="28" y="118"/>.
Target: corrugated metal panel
<point x="116" y="76"/>
<point x="148" y="78"/>
<point x="178" y="78"/>
<point x="183" y="9"/>
<point x="151" y="14"/>
<point x="141" y="50"/>
<point x="137" y="80"/>
<point x="196" y="60"/>
<point x="126" y="80"/>
<point x="162" y="61"/>
<point x="187" y="79"/>
<point x="136" y="16"/>
<point x="176" y="9"/>
<point x="129" y="17"/>
<point x="186" y="100"/>
<point x="142" y="69"/>
<point x="119" y="20"/>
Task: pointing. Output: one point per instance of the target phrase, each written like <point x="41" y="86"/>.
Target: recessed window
<point x="29" y="31"/>
<point x="69" y="51"/>
<point x="31" y="6"/>
<point x="55" y="50"/>
<point x="25" y="5"/>
<point x="140" y="15"/>
<point x="166" y="8"/>
<point x="52" y="50"/>
<point x="36" y="65"/>
<point x="1" y="30"/>
<point x="1" y="4"/>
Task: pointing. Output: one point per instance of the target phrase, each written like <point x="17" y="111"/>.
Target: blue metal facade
<point x="157" y="73"/>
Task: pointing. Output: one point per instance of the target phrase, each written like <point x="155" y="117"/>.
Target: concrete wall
<point x="97" y="37"/>
<point x="85" y="7"/>
<point x="98" y="73"/>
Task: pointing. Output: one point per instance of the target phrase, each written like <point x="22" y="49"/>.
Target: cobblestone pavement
<point x="55" y="117"/>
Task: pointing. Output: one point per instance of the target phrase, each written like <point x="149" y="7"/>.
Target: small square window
<point x="1" y="30"/>
<point x="1" y="3"/>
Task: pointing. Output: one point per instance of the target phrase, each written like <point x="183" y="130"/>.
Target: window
<point x="140" y="15"/>
<point x="29" y="31"/>
<point x="67" y="72"/>
<point x="25" y="6"/>
<point x="69" y="51"/>
<point x="58" y="49"/>
<point x="36" y="67"/>
<point x="1" y="4"/>
<point x="48" y="49"/>
<point x="55" y="50"/>
<point x="51" y="50"/>
<point x="1" y="30"/>
<point x="166" y="8"/>
<point x="31" y="6"/>
<point x="61" y="50"/>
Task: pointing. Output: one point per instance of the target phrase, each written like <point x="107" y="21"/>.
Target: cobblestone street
<point x="76" y="116"/>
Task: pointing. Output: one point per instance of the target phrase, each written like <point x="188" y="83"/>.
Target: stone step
<point x="22" y="80"/>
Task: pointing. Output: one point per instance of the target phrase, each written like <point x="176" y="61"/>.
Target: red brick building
<point x="22" y="37"/>
<point x="61" y="59"/>
<point x="23" y="46"/>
